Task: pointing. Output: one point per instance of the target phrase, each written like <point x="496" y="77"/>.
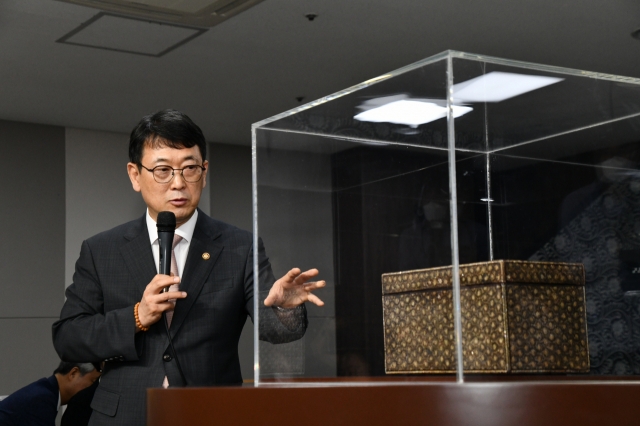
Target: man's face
<point x="177" y="196"/>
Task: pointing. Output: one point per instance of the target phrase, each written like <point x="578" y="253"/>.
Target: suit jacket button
<point x="166" y="357"/>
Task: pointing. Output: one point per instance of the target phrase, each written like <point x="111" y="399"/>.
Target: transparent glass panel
<point x="555" y="180"/>
<point x="357" y="199"/>
<point x="357" y="184"/>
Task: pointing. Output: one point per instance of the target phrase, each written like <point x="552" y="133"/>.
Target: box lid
<point x="482" y="273"/>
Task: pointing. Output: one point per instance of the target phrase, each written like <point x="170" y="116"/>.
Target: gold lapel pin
<point x="206" y="256"/>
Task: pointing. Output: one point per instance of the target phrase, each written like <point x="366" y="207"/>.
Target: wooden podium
<point x="529" y="401"/>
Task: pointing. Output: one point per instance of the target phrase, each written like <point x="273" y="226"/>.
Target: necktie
<point x="174" y="270"/>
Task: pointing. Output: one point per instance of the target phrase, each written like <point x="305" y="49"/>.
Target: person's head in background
<point x="73" y="377"/>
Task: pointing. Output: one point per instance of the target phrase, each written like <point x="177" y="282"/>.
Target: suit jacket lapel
<point x="138" y="256"/>
<point x="197" y="268"/>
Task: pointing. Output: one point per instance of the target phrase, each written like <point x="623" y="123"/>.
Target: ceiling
<point x="259" y="62"/>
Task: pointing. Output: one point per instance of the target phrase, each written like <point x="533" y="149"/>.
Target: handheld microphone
<point x="166" y="228"/>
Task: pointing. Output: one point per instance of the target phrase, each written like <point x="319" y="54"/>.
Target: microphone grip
<point x="165" y="240"/>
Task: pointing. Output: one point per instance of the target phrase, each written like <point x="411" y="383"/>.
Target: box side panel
<point x="547" y="328"/>
<point x="483" y="329"/>
<point x="418" y="332"/>
<point x="419" y="335"/>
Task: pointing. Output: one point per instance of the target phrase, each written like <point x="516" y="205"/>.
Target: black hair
<point x="66" y="367"/>
<point x="166" y="128"/>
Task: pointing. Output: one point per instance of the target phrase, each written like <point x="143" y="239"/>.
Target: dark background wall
<point x="32" y="214"/>
<point x="230" y="192"/>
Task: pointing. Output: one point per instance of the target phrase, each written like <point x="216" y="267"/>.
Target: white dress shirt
<point x="182" y="249"/>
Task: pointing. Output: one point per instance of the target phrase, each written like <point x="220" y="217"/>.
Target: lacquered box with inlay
<point x="517" y="317"/>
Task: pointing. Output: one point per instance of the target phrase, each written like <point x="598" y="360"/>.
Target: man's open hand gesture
<point x="293" y="289"/>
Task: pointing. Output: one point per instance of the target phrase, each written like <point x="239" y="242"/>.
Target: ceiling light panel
<point x="200" y="13"/>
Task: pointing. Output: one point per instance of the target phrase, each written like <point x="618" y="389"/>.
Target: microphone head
<point x="166" y="222"/>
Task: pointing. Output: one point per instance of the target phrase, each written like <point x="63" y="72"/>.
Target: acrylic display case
<point x="455" y="159"/>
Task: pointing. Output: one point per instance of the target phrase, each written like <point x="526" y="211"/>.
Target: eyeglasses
<point x="164" y="174"/>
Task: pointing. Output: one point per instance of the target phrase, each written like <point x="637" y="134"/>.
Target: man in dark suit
<point x="37" y="404"/>
<point x="115" y="305"/>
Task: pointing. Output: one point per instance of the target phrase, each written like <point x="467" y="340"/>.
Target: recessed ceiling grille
<point x="201" y="13"/>
<point x="131" y="35"/>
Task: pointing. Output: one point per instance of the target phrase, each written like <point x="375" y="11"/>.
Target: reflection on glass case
<point x="453" y="160"/>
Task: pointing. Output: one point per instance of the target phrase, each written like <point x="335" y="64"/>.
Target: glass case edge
<point x="441" y="56"/>
<point x="256" y="275"/>
<point x="567" y="132"/>
<point x="547" y="68"/>
<point x="455" y="267"/>
<point x="365" y="140"/>
<point x="354" y="88"/>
